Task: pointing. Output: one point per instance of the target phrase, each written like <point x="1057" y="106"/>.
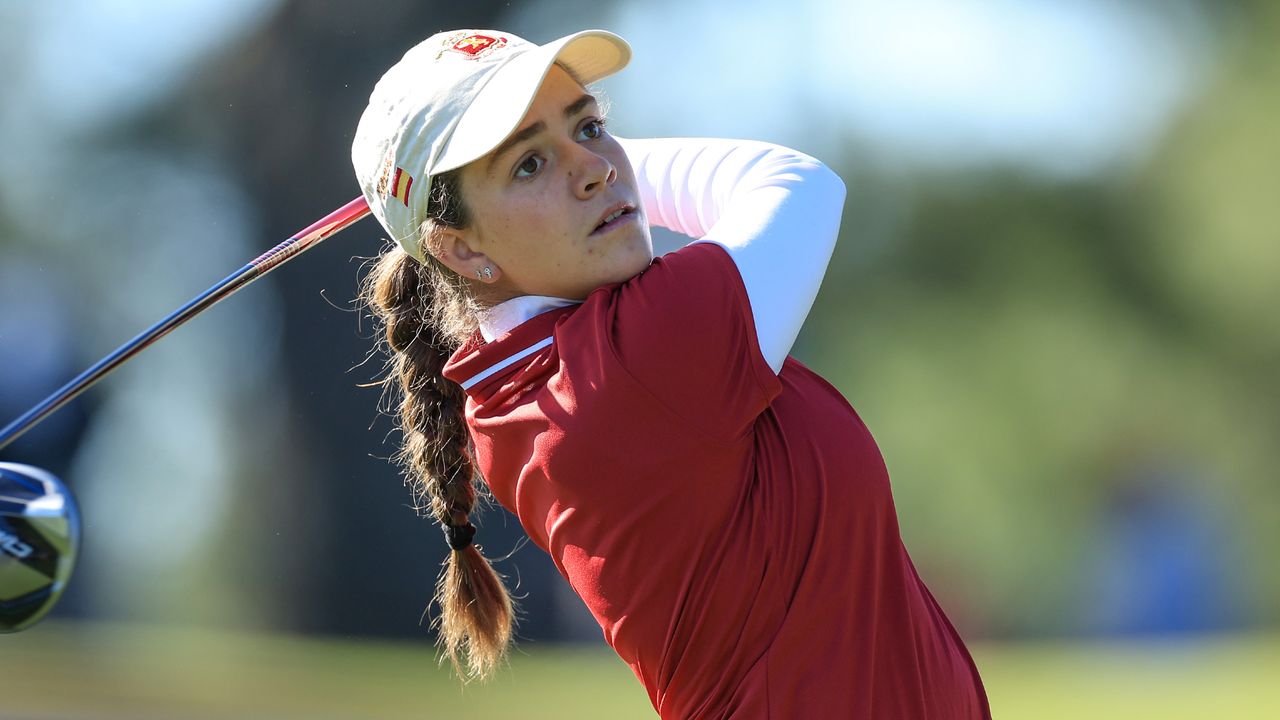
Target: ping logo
<point x="14" y="546"/>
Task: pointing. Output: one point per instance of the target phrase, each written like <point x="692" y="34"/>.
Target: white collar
<point x="504" y="317"/>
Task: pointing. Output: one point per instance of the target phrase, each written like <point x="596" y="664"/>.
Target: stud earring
<point x="486" y="273"/>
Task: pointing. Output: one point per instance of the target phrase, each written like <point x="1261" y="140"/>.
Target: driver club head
<point x="39" y="539"/>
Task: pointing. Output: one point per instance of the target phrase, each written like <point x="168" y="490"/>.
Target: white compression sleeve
<point x="776" y="211"/>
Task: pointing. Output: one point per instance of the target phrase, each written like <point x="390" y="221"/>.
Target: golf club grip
<point x="302" y="241"/>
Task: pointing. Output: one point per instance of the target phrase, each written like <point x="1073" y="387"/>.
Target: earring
<point x="485" y="274"/>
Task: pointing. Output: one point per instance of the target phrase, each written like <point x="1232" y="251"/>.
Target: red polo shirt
<point x="732" y="530"/>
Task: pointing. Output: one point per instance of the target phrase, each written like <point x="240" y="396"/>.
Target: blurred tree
<point x="1215" y="253"/>
<point x="1012" y="331"/>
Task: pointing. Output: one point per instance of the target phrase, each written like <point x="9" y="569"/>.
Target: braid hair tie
<point x="459" y="536"/>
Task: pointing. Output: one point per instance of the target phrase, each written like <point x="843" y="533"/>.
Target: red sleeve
<point x="683" y="329"/>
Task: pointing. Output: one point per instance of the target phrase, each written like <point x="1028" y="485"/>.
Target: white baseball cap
<point x="452" y="99"/>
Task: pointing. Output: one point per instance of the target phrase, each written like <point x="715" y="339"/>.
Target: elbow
<point x="811" y="186"/>
<point x="823" y="182"/>
<point x="825" y="192"/>
<point x="809" y="176"/>
<point x="832" y="185"/>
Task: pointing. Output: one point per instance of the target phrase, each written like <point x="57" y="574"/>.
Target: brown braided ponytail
<point x="427" y="312"/>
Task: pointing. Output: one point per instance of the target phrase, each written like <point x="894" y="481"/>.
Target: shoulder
<point x="681" y="334"/>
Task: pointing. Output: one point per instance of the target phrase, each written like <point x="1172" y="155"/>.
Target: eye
<point x="529" y="166"/>
<point x="592" y="129"/>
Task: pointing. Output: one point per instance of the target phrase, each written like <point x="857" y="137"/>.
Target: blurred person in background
<point x="1163" y="555"/>
<point x="721" y="509"/>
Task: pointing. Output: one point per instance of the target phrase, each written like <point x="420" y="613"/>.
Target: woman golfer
<point x="720" y="508"/>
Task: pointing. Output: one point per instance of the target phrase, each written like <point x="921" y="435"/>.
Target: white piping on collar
<point x="506" y="316"/>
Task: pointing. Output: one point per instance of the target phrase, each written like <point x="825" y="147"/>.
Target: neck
<point x="504" y="317"/>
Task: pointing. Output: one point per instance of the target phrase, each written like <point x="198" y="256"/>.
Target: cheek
<point x="510" y="220"/>
<point x="530" y="235"/>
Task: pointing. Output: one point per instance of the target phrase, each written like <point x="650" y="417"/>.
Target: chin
<point x="627" y="261"/>
<point x="636" y="264"/>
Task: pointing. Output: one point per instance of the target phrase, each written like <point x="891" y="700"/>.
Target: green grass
<point x="71" y="671"/>
<point x="1220" y="678"/>
<point x="98" y="671"/>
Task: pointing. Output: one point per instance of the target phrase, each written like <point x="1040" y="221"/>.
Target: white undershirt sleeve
<point x="775" y="210"/>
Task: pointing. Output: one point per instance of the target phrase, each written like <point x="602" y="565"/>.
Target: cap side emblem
<point x="395" y="182"/>
<point x="400" y="186"/>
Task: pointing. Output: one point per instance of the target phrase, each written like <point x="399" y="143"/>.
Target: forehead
<point x="559" y="97"/>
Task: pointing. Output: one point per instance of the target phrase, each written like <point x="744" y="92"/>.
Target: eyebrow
<point x="520" y="136"/>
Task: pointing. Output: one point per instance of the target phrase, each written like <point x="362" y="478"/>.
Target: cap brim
<point x="502" y="103"/>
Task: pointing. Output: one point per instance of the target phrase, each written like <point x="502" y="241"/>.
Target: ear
<point x="454" y="248"/>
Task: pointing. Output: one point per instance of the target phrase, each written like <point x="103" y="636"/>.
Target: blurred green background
<point x="1052" y="302"/>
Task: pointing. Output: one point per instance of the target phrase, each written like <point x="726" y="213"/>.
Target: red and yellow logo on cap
<point x="400" y="186"/>
<point x="477" y="45"/>
<point x="396" y="184"/>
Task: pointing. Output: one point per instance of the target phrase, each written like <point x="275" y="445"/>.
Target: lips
<point x="615" y="214"/>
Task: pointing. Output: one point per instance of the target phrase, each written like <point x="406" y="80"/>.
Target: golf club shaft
<point x="308" y="238"/>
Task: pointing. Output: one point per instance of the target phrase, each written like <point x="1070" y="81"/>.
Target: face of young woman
<point x="554" y="209"/>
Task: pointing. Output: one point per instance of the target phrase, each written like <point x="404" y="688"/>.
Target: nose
<point x="592" y="173"/>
